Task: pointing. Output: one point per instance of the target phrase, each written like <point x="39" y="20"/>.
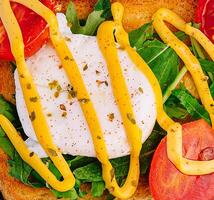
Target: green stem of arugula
<point x="174" y="84"/>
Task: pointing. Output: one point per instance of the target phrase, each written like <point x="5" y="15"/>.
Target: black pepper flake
<point x="97" y="72"/>
<point x="84" y="100"/>
<point x="106" y="83"/>
<point x="28" y="86"/>
<point x="211" y="105"/>
<point x="34" y="99"/>
<point x="52" y="152"/>
<point x="62" y="107"/>
<point x="21" y="76"/>
<point x="60" y="66"/>
<point x="101" y="82"/>
<point x="111" y="116"/>
<point x="85" y="67"/>
<point x="140" y="90"/>
<point x="31" y="154"/>
<point x="32" y="116"/>
<point x="49" y="114"/>
<point x="67" y="58"/>
<point x="112" y="173"/>
<point x="131" y="118"/>
<point x="98" y="137"/>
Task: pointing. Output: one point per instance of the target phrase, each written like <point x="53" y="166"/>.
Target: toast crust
<point x="137" y="12"/>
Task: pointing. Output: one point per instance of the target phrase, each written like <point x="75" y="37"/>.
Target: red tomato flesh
<point x="34" y="30"/>
<point x="168" y="183"/>
<point x="205" y="16"/>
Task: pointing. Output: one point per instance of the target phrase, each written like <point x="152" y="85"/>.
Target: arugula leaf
<point x="102" y="11"/>
<point x="212" y="89"/>
<point x="79" y="161"/>
<point x="175" y="111"/>
<point x="19" y="169"/>
<point x="163" y="61"/>
<point x="149" y="147"/>
<point x="193" y="107"/>
<point x="71" y="194"/>
<point x="7" y="146"/>
<point x="207" y="65"/>
<point x="97" y="188"/>
<point x="181" y="35"/>
<point x="93" y="172"/>
<point x="8" y="110"/>
<point x="139" y="36"/>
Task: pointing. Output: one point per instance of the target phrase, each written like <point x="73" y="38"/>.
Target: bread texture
<point x="137" y="12"/>
<point x="7" y="85"/>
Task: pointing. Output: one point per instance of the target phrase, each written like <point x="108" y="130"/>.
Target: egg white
<point x="71" y="133"/>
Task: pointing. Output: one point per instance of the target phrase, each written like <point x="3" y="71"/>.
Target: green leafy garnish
<point x="207" y="65"/>
<point x="8" y="110"/>
<point x="71" y="194"/>
<point x="148" y="148"/>
<point x="102" y="11"/>
<point x="139" y="36"/>
<point x="194" y="108"/>
<point x="163" y="61"/>
<point x="97" y="188"/>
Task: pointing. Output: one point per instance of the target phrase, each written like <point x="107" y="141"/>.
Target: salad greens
<point x="102" y="11"/>
<point x="178" y="103"/>
<point x="193" y="107"/>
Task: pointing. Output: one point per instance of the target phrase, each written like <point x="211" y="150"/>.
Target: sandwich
<point x="106" y="99"/>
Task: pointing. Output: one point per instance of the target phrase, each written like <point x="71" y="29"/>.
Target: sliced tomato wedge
<point x="205" y="16"/>
<point x="168" y="183"/>
<point x="34" y="30"/>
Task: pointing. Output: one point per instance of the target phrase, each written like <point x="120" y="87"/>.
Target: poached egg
<point x="63" y="113"/>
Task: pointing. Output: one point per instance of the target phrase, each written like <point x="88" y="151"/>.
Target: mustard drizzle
<point x="174" y="136"/>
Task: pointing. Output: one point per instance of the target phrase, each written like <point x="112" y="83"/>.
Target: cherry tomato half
<point x="204" y="16"/>
<point x="34" y="30"/>
<point x="168" y="183"/>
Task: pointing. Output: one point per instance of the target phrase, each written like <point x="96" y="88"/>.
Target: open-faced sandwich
<point x="106" y="99"/>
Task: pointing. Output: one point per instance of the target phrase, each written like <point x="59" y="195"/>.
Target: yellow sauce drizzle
<point x="174" y="136"/>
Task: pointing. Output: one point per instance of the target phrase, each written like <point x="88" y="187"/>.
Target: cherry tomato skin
<point x="34" y="29"/>
<point x="168" y="183"/>
<point x="204" y="16"/>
